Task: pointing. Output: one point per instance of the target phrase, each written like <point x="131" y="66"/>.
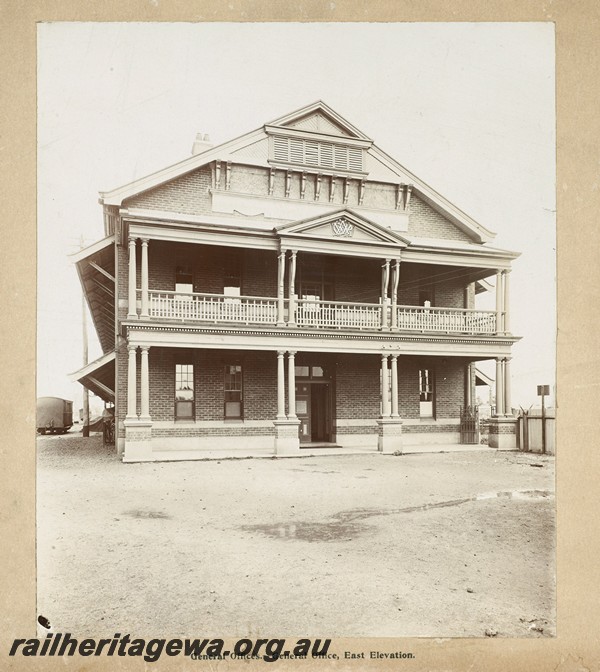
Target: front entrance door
<point x="313" y="408"/>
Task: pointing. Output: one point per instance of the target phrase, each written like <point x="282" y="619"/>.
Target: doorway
<point x="313" y="408"/>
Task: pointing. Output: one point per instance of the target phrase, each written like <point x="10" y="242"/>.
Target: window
<point x="232" y="274"/>
<point x="426" y="297"/>
<point x="184" y="391"/>
<point x="426" y="393"/>
<point x="233" y="391"/>
<point x="184" y="282"/>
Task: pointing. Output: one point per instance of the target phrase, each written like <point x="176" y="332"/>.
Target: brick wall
<point x="425" y="222"/>
<point x="187" y="194"/>
<point x="449" y="385"/>
<point x="444" y="281"/>
<point x="208" y="264"/>
<point x="357" y="386"/>
<point x="356" y="381"/>
<point x="380" y="195"/>
<point x="357" y="279"/>
<point x="259" y="382"/>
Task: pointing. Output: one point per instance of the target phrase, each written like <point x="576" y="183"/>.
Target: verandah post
<point x="280" y="386"/>
<point x="132" y="383"/>
<point x="145" y="301"/>
<point x="132" y="299"/>
<point x="385" y="386"/>
<point x="280" y="289"/>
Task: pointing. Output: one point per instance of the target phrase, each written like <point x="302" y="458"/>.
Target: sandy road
<point x="361" y="545"/>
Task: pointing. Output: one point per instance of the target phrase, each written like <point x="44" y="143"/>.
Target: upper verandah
<point x="311" y="159"/>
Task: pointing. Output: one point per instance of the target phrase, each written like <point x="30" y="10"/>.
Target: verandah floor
<point x="305" y="451"/>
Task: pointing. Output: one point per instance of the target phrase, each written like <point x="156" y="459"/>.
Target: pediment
<point x="318" y="122"/>
<point x="319" y="118"/>
<point x="342" y="226"/>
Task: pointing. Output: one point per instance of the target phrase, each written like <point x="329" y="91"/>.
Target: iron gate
<point x="469" y="424"/>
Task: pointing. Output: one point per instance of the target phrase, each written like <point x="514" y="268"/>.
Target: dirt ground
<point x="444" y="545"/>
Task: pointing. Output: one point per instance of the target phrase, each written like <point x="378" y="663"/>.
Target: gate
<point x="469" y="424"/>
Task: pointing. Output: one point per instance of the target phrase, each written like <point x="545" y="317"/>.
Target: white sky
<point x="467" y="107"/>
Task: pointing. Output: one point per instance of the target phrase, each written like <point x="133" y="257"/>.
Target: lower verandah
<point x="204" y="400"/>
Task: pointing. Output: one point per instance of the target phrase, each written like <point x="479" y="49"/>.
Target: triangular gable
<point x="253" y="148"/>
<point x="318" y="117"/>
<point x="318" y="123"/>
<point x="343" y="225"/>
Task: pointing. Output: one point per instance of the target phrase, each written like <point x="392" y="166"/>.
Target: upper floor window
<point x="184" y="280"/>
<point x="232" y="273"/>
<point x="184" y="391"/>
<point x="233" y="392"/>
<point x="426" y="393"/>
<point x="426" y="297"/>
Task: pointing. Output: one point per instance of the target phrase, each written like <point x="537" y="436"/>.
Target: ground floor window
<point x="184" y="391"/>
<point x="233" y="392"/>
<point x="426" y="393"/>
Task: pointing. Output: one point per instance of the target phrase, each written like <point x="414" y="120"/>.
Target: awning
<point x="483" y="286"/>
<point x="98" y="376"/>
<point x="483" y="379"/>
<point x="96" y="268"/>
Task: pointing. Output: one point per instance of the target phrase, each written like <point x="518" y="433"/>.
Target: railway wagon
<point x="54" y="415"/>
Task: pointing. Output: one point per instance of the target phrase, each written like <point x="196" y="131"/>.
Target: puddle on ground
<point x="302" y="531"/>
<point x="146" y="513"/>
<point x="347" y="525"/>
<point x="313" y="471"/>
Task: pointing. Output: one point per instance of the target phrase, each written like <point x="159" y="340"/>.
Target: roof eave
<point x="461" y="219"/>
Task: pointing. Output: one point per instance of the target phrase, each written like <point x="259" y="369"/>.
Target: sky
<point x="468" y="107"/>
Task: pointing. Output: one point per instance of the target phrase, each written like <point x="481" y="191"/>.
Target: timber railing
<point x="317" y="314"/>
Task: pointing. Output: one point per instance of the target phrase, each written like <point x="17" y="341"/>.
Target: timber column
<point x="145" y="300"/>
<point x="281" y="290"/>
<point x="503" y="426"/>
<point x="385" y="284"/>
<point x="287" y="437"/>
<point x="132" y="307"/>
<point x="389" y="424"/>
<point x="138" y="431"/>
<point x="144" y="386"/>
<point x="292" y="290"/>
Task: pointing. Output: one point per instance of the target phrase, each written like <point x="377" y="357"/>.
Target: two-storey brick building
<point x="293" y="287"/>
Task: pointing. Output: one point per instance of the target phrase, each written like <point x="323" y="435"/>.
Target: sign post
<point x="542" y="391"/>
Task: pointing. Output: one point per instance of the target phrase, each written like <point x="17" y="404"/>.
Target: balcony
<point x="446" y="320"/>
<point x="214" y="308"/>
<point x="315" y="314"/>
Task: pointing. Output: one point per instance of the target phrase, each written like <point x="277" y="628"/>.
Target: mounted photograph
<point x="287" y="386"/>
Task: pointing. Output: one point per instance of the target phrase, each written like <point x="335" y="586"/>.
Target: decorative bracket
<point x="408" y="193"/>
<point x="399" y="195"/>
<point x="302" y="185"/>
<point x="318" y="187"/>
<point x="271" y="181"/>
<point x="332" y="188"/>
<point x="288" y="182"/>
<point x="361" y="192"/>
<point x="228" y="176"/>
<point x="217" y="174"/>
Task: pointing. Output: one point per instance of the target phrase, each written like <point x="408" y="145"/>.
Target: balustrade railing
<point x="213" y="308"/>
<point x="449" y="320"/>
<point x="337" y="314"/>
<point x="317" y="314"/>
